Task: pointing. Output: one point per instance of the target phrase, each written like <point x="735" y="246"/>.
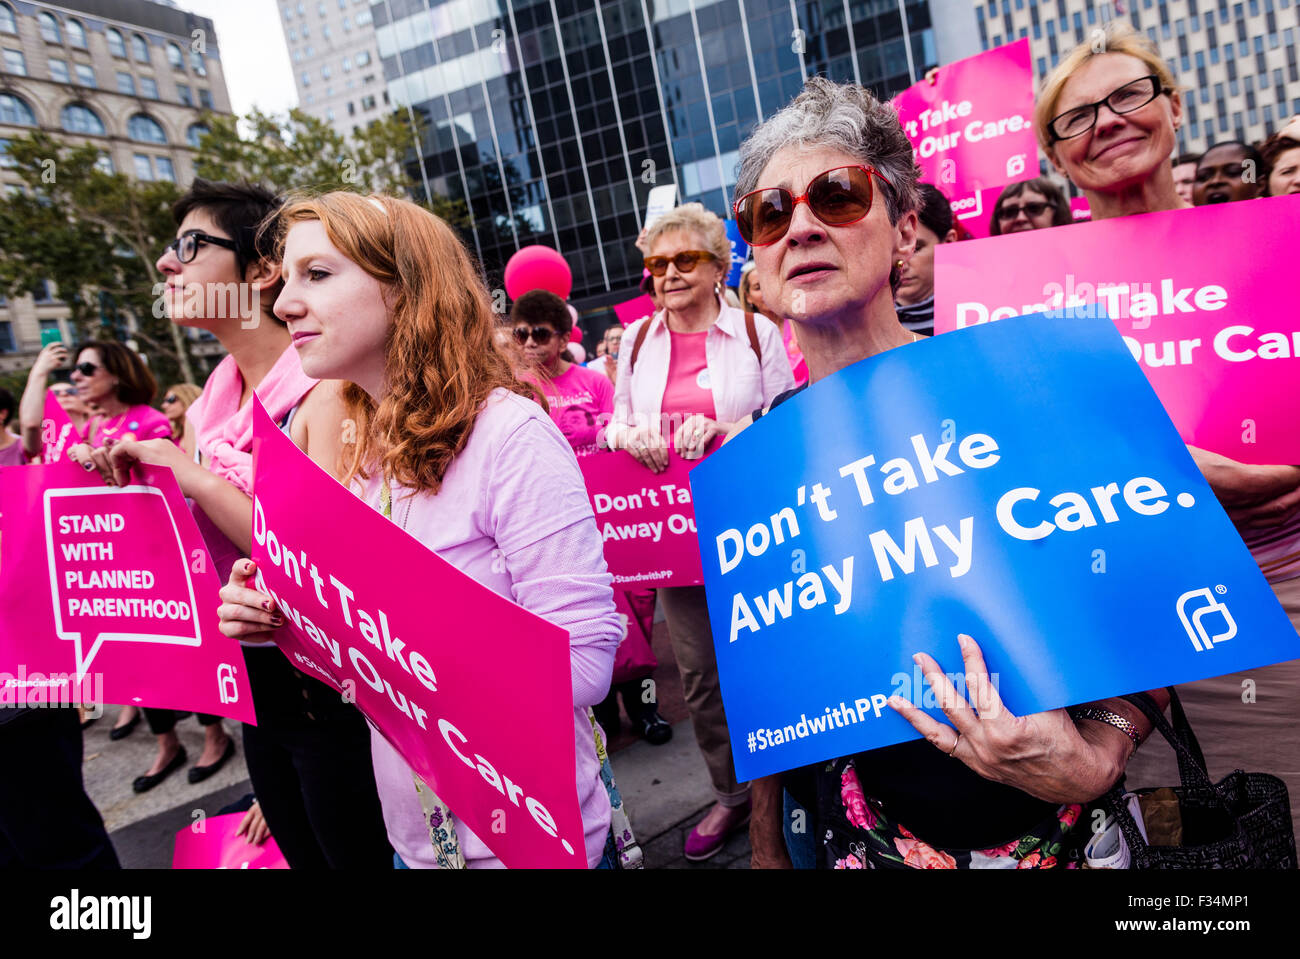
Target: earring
<point x="898" y="264"/>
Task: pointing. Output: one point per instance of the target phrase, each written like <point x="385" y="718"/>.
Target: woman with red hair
<point x="451" y="447"/>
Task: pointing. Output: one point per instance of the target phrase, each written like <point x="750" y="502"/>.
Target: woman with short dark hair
<point x="1030" y="205"/>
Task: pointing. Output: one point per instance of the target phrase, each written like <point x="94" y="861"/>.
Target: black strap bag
<point x="1241" y="822"/>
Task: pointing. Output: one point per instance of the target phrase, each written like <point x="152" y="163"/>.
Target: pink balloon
<point x="538" y="268"/>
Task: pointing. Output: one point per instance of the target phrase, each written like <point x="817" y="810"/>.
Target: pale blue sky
<point x="253" y="52"/>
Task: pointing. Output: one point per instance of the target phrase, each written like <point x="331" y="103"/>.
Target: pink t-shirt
<point x="513" y="513"/>
<point x="577" y="399"/>
<point x="689" y="389"/>
<point x="141" y="422"/>
<point x="13" y="455"/>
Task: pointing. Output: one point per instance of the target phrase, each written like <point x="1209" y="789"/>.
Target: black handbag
<point x="1242" y="822"/>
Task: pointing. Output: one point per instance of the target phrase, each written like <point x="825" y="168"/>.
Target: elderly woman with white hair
<point x="826" y="196"/>
<point x="1107" y="117"/>
<point x="685" y="376"/>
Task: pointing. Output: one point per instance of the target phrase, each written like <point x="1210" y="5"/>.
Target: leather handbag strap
<point x="636" y="345"/>
<point x="752" y="332"/>
<point x="1191" y="760"/>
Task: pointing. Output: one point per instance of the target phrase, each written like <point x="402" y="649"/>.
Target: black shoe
<point x="142" y="784"/>
<point x="199" y="773"/>
<point x="653" y="728"/>
<point x="121" y="732"/>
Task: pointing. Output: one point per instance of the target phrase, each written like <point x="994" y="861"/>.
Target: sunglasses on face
<point x="86" y="369"/>
<point x="171" y="398"/>
<point x="1133" y="95"/>
<point x="1009" y="213"/>
<point x="685" y="261"/>
<point x="541" y="334"/>
<point x="187" y="246"/>
<point x="837" y="197"/>
<point x="61" y="394"/>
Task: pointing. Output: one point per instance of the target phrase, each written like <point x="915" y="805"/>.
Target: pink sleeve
<point x="542" y="522"/>
<point x="153" y="425"/>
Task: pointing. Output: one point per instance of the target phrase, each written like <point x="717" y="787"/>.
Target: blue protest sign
<point x="739" y="253"/>
<point x="1018" y="482"/>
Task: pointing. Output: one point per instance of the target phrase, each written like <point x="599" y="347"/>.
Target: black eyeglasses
<point x="1009" y="213"/>
<point x="187" y="246"/>
<point x="86" y="369"/>
<point x="541" y="334"/>
<point x="171" y="398"/>
<point x="1133" y="95"/>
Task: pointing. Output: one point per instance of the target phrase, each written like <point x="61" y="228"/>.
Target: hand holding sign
<point x="1044" y="754"/>
<point x="246" y="614"/>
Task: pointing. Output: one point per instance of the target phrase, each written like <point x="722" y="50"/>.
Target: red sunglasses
<point x="837" y="197"/>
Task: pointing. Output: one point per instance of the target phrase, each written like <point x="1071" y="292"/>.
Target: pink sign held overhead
<point x="1209" y="317"/>
<point x="437" y="662"/>
<point x="646" y="519"/>
<point x="57" y="431"/>
<point x="972" y="129"/>
<point x="217" y="847"/>
<point x="115" y="581"/>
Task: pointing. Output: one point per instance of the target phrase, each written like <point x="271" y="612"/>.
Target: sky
<point x="253" y="52"/>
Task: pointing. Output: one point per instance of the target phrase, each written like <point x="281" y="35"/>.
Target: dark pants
<point x="46" y="819"/>
<point x="164" y="720"/>
<point x="309" y="762"/>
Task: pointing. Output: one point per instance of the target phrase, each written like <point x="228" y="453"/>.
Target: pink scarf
<point x="225" y="429"/>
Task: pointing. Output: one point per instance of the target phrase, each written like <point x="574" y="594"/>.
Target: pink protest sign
<point x="972" y="129"/>
<point x="629" y="311"/>
<point x="217" y="847"/>
<point x="646" y="519"/>
<point x="57" y="431"/>
<point x="116" y="579"/>
<point x="1209" y="317"/>
<point x="437" y="662"/>
<point x="974" y="211"/>
<point x="1080" y="209"/>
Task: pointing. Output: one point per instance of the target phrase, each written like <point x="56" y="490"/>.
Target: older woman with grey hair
<point x="826" y="194"/>
<point x="685" y="376"/>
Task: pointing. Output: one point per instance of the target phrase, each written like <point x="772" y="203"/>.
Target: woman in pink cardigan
<point x="685" y="376"/>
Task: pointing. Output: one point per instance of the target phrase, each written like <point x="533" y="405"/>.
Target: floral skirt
<point x="858" y="835"/>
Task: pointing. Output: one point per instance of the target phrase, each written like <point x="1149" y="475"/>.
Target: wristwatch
<point x="1111" y="719"/>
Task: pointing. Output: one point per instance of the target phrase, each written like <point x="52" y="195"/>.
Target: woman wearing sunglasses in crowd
<point x="175" y="402"/>
<point x="826" y="190"/>
<point x="451" y="447"/>
<point x="31" y="408"/>
<point x="685" y="375"/>
<point x="1030" y="205"/>
<point x="309" y="755"/>
<point x="114" y="382"/>
<point x="1109" y="122"/>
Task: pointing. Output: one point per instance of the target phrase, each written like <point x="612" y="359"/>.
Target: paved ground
<point x="665" y="788"/>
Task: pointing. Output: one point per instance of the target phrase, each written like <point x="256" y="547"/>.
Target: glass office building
<point x="554" y="119"/>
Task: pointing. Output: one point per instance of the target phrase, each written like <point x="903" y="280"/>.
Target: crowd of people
<point x="469" y="431"/>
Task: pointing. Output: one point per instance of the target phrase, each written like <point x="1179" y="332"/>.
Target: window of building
<point x="343" y="4"/>
<point x="59" y="71"/>
<point x="145" y="129"/>
<point x="8" y="24"/>
<point x="347" y="24"/>
<point x="310" y="51"/>
<point x="288" y="13"/>
<point x="347" y="64"/>
<point x="15" y="62"/>
<point x="364" y="18"/>
<point x="325" y="72"/>
<point x="363" y="58"/>
<point x="184" y="94"/>
<point x="6" y="161"/>
<point x="198" y="64"/>
<point x="325" y="32"/>
<point x="77" y="118"/>
<point x="105" y="164"/>
<point x="329" y="114"/>
<point x="139" y="48"/>
<point x="368" y="102"/>
<point x="311" y="99"/>
<point x="165" y="169"/>
<point x="195" y="133"/>
<point x="85" y="75"/>
<point x="50" y="28"/>
<point x="301" y="11"/>
<point x="352" y="111"/>
<point x="143" y="168"/>
<point x="148" y="88"/>
<point x="306" y="78"/>
<point x="126" y="84"/>
<point x="297" y="55"/>
<point x="15" y="111"/>
<point x="205" y="98"/>
<point x="116" y="45"/>
<point x="304" y="33"/>
<point x="76" y="34"/>
<point x="175" y="56"/>
<point x="7" y="344"/>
